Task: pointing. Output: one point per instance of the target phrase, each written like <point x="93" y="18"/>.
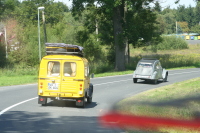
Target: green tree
<point x="169" y="17"/>
<point x="27" y="12"/>
<point x="197" y="11"/>
<point x="190" y="16"/>
<point x="181" y="13"/>
<point x="2" y="53"/>
<point x="196" y="29"/>
<point x="157" y="7"/>
<point x="117" y="12"/>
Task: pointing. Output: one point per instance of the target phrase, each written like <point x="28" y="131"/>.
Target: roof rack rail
<point x="64" y="49"/>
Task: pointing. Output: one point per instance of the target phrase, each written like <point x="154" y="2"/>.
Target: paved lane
<point x="18" y="115"/>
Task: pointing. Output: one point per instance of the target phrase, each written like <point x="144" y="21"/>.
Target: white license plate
<point x="53" y="86"/>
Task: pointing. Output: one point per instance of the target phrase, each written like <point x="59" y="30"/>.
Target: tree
<point x="197" y="11"/>
<point x="184" y="26"/>
<point x="169" y="18"/>
<point x="157" y="7"/>
<point x="116" y="11"/>
<point x="27" y="12"/>
<point x="181" y="13"/>
<point x="2" y="53"/>
<point x="190" y="16"/>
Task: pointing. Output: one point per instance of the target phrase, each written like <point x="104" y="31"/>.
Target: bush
<point x="172" y="43"/>
<point x="170" y="60"/>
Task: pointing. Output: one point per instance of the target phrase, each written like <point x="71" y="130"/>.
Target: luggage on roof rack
<point x="62" y="48"/>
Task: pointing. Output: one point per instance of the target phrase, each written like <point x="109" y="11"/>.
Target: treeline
<point x="91" y="25"/>
<point x="187" y="18"/>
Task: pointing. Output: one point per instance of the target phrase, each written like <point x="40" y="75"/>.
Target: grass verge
<point x="17" y="80"/>
<point x="178" y="101"/>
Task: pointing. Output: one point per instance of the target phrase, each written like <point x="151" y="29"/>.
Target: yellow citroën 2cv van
<point x="64" y="74"/>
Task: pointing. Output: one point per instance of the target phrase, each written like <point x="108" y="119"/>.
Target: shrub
<point x="172" y="43"/>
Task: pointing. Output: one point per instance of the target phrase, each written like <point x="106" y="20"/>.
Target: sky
<point x="164" y="3"/>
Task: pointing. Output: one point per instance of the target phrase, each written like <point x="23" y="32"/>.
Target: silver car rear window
<point x="145" y="64"/>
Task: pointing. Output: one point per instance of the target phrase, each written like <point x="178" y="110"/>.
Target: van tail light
<point x="81" y="87"/>
<point x="41" y="85"/>
<point x="41" y="99"/>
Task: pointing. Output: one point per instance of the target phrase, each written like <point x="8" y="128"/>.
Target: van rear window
<point x="70" y="69"/>
<point x="53" y="68"/>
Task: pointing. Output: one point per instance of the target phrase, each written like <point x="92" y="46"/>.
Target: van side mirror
<point x="92" y="75"/>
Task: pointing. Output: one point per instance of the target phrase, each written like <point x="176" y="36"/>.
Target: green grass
<point x="168" y="58"/>
<point x="17" y="76"/>
<point x="17" y="80"/>
<point x="175" y="101"/>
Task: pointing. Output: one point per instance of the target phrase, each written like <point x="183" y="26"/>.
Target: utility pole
<point x="44" y="25"/>
<point x="5" y="35"/>
<point x="176" y="28"/>
<point x="97" y="30"/>
<point x="39" y="45"/>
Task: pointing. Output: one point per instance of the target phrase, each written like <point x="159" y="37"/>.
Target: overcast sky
<point x="164" y="3"/>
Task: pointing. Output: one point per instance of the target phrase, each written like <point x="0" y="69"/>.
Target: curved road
<point x="20" y="113"/>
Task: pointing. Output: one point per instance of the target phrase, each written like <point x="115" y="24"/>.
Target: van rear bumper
<point x="43" y="99"/>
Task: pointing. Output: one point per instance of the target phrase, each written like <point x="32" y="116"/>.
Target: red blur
<point x="114" y="119"/>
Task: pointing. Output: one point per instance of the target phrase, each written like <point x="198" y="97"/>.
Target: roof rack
<point x="64" y="49"/>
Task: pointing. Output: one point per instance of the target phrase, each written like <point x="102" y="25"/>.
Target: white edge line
<point x="3" y="111"/>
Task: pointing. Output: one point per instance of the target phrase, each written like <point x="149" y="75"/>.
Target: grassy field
<point x="168" y="58"/>
<point x="17" y="76"/>
<point x="178" y="101"/>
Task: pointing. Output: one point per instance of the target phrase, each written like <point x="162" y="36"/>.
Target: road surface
<point x="20" y="112"/>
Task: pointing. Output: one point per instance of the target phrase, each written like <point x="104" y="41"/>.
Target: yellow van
<point x="64" y="74"/>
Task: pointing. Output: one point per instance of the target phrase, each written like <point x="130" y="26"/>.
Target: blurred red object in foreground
<point x="114" y="119"/>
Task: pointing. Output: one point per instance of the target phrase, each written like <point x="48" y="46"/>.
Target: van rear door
<point x="71" y="82"/>
<point x="53" y="77"/>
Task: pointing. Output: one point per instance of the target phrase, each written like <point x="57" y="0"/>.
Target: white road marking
<point x="3" y="111"/>
<point x="10" y="107"/>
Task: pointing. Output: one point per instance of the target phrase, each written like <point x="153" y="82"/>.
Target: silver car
<point x="150" y="69"/>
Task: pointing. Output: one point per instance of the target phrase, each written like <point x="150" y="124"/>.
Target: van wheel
<point x="45" y="102"/>
<point x="89" y="99"/>
<point x="80" y="102"/>
<point x="83" y="106"/>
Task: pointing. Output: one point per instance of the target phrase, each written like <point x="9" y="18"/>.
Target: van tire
<point x="81" y="104"/>
<point x="89" y="99"/>
<point x="45" y="103"/>
<point x="90" y="94"/>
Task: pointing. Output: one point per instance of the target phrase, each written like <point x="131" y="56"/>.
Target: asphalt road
<point x="20" y="113"/>
<point x="193" y="41"/>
